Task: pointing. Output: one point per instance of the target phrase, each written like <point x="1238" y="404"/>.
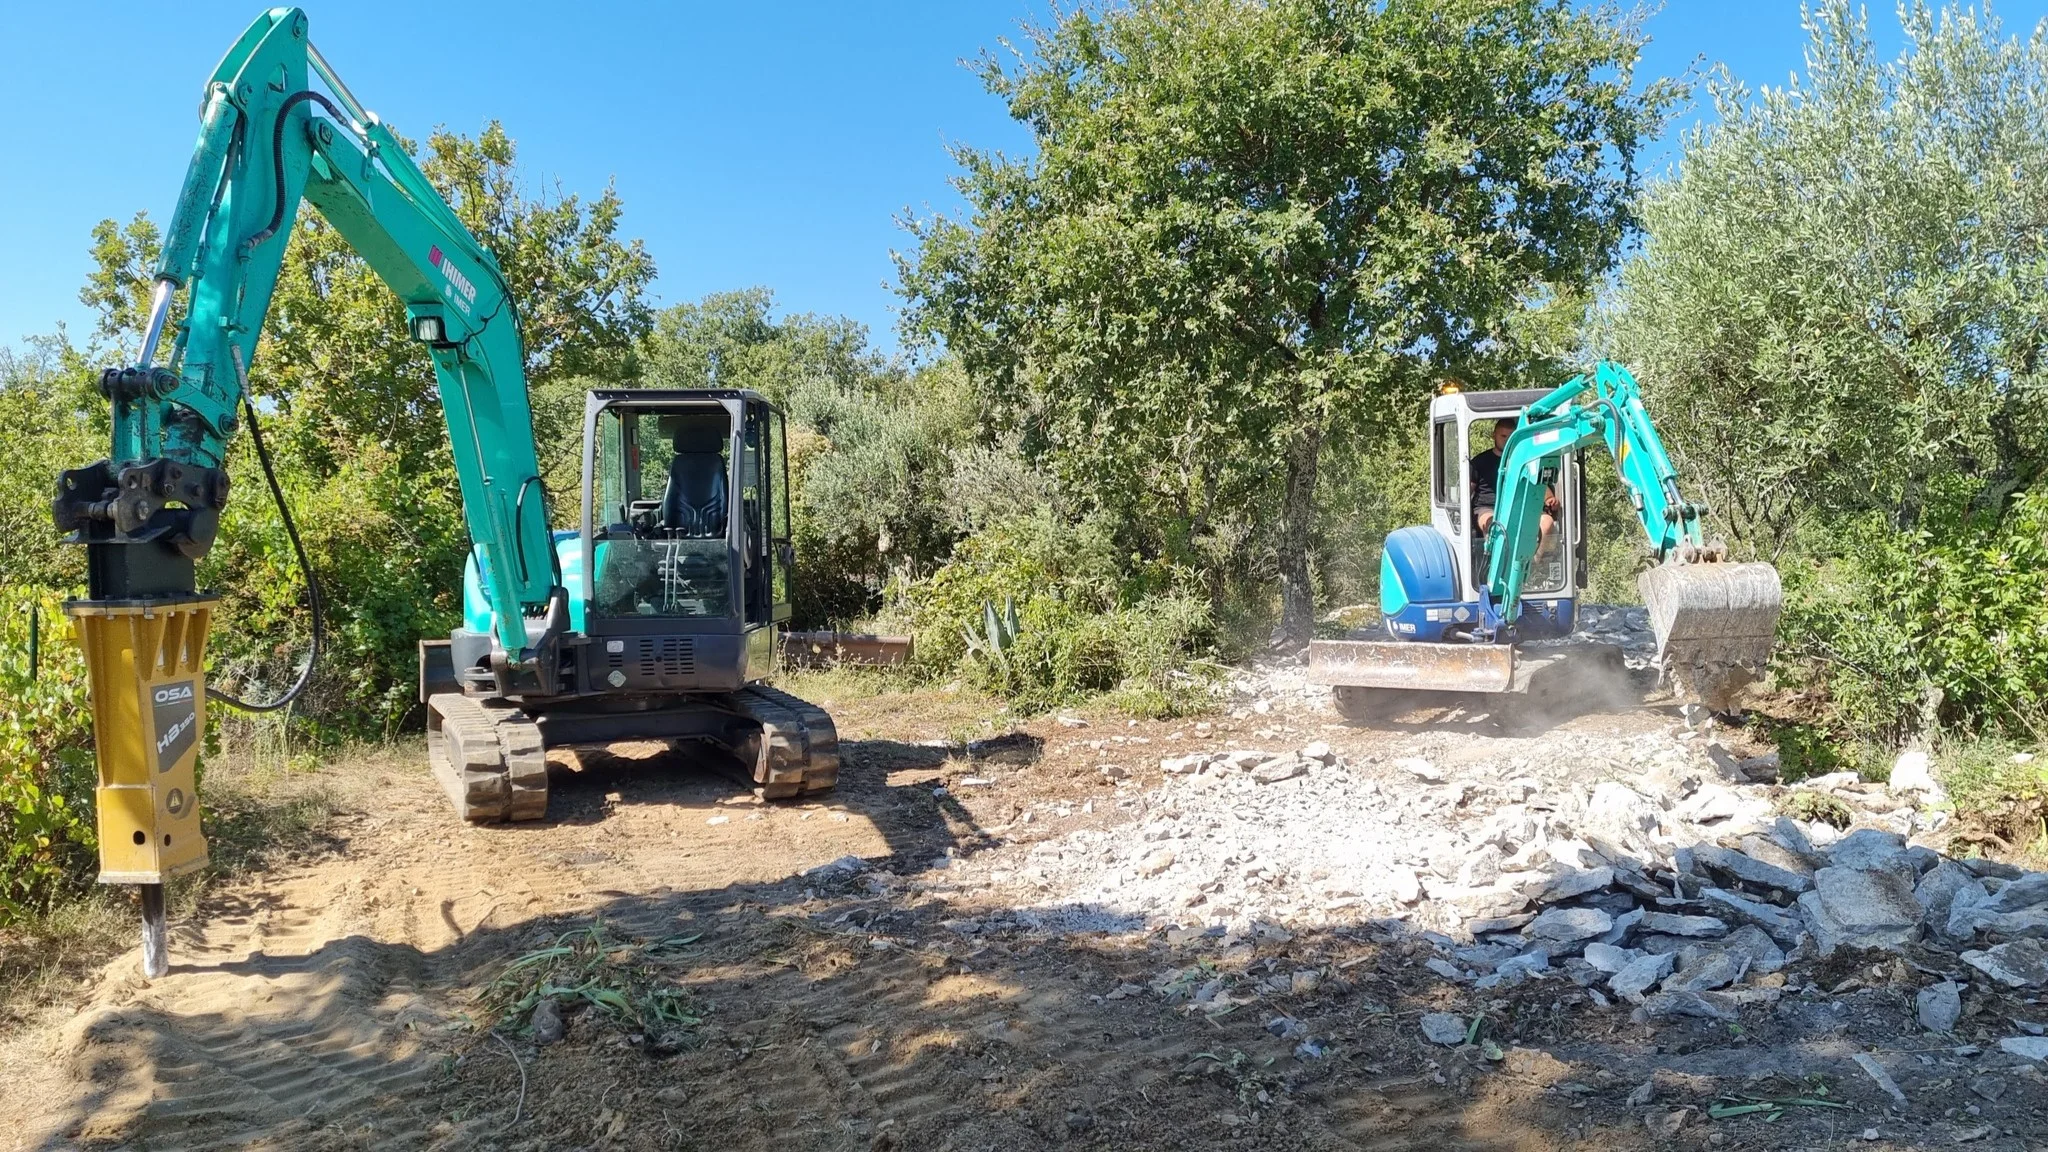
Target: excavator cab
<point x="1461" y="428"/>
<point x="687" y="512"/>
<point x="678" y="574"/>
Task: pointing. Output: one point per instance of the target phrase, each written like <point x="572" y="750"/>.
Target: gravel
<point x="1627" y="851"/>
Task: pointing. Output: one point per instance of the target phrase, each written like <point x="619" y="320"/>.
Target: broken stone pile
<point x="1638" y="859"/>
<point x="1718" y="916"/>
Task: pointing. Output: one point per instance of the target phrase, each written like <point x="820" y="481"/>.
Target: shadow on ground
<point x="858" y="1010"/>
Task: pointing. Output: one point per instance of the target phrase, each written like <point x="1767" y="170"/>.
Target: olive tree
<point x="1253" y="233"/>
<point x="1841" y="301"/>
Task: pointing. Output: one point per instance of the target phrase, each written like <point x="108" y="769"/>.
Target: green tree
<point x="1843" y="297"/>
<point x="55" y="421"/>
<point x="734" y="340"/>
<point x="871" y="448"/>
<point x="1254" y="232"/>
<point x="357" y="426"/>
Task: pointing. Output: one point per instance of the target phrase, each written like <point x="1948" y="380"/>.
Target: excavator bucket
<point x="1715" y="624"/>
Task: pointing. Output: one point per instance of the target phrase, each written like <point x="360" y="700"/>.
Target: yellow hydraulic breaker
<point x="145" y="663"/>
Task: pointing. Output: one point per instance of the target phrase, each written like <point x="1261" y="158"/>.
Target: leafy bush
<point x="387" y="541"/>
<point x="871" y="470"/>
<point x="1089" y="621"/>
<point x="1943" y="626"/>
<point x="47" y="842"/>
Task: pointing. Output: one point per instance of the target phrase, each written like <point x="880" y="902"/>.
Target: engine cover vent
<point x="668" y="656"/>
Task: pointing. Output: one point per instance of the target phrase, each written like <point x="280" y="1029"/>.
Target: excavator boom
<point x="269" y="138"/>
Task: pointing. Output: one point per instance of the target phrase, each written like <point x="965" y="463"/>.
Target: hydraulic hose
<point x="277" y="158"/>
<point x="291" y="530"/>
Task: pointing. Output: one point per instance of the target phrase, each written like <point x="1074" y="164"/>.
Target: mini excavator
<point x="1503" y="564"/>
<point x="655" y="618"/>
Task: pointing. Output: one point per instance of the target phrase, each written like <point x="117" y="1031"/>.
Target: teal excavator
<point x="655" y="617"/>
<point x="1503" y="560"/>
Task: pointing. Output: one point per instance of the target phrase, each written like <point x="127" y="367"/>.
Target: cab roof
<point x="1503" y="402"/>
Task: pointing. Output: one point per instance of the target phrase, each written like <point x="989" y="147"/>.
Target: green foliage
<point x="1363" y="498"/>
<point x="998" y="634"/>
<point x="47" y="841"/>
<point x="1805" y="751"/>
<point x="2002" y="787"/>
<point x="629" y="983"/>
<point x="54" y="421"/>
<point x="1078" y="620"/>
<point x="870" y="444"/>
<point x="1249" y="231"/>
<point x="733" y="340"/>
<point x="1816" y="806"/>
<point x="876" y="501"/>
<point x="373" y="528"/>
<point x="1945" y="625"/>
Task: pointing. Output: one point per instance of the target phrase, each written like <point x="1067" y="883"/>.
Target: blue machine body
<point x="1420" y="598"/>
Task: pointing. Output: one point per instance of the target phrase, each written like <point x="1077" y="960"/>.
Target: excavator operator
<point x="1486" y="477"/>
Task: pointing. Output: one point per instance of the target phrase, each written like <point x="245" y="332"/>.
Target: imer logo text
<point x="464" y="292"/>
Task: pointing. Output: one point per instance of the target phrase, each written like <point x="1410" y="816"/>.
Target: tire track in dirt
<point x="292" y="1006"/>
<point x="303" y="1005"/>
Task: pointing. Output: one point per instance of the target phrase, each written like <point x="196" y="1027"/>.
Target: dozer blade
<point x="1716" y="624"/>
<point x="1407" y="664"/>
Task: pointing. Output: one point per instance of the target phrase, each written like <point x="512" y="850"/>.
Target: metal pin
<point x="159" y="311"/>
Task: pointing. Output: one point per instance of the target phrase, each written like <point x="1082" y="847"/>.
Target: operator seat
<point x="693" y="504"/>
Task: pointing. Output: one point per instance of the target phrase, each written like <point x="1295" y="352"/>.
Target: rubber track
<point x="799" y="747"/>
<point x="488" y="757"/>
<point x="821" y="736"/>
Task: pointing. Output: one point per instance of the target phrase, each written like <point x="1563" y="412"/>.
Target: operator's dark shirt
<point x="1485" y="473"/>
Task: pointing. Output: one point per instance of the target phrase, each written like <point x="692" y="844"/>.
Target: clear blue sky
<point x="769" y="144"/>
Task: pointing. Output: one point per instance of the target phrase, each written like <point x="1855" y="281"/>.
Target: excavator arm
<point x="268" y="139"/>
<point x="1603" y="407"/>
<point x="1715" y="621"/>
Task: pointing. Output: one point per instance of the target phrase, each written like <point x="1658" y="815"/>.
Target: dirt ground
<point x="333" y="1002"/>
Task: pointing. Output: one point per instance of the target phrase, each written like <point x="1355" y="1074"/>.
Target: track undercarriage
<point x="490" y="755"/>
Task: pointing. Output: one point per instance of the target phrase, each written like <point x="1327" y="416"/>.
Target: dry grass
<point x="261" y="802"/>
<point x="43" y="957"/>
